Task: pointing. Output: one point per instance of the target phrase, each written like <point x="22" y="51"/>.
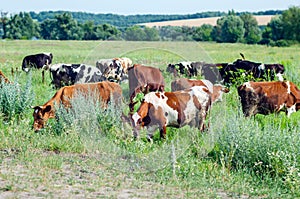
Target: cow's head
<point x="275" y="70"/>
<point x="218" y="91"/>
<point x="172" y="69"/>
<point x="40" y="115"/>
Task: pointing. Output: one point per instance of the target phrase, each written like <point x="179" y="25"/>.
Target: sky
<point x="132" y="7"/>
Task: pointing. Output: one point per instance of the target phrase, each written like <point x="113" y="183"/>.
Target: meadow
<point x="92" y="154"/>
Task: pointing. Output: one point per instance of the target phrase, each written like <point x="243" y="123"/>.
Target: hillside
<point x="129" y="20"/>
<point x="261" y="19"/>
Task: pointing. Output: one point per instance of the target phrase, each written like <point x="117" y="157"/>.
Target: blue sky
<point x="127" y="7"/>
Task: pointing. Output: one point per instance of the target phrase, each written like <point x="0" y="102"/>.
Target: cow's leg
<point x="201" y="120"/>
<point x="43" y="76"/>
<point x="132" y="96"/>
<point x="163" y="132"/>
<point x="131" y="106"/>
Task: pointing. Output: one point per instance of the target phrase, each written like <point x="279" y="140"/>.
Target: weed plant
<point x="15" y="99"/>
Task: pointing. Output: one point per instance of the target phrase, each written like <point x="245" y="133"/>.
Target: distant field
<point x="262" y="20"/>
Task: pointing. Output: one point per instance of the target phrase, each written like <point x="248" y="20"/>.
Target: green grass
<point x="91" y="153"/>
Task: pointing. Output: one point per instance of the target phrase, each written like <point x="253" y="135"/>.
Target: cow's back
<point x="184" y="83"/>
<point x="145" y="76"/>
<point x="105" y="91"/>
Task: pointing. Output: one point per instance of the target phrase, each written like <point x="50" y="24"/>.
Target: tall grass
<point x="15" y="99"/>
<point x="265" y="146"/>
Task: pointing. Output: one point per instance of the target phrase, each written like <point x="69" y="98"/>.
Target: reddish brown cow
<point x="175" y="109"/>
<point x="216" y="90"/>
<point x="144" y="79"/>
<point x="103" y="91"/>
<point x="269" y="97"/>
<point x="2" y="76"/>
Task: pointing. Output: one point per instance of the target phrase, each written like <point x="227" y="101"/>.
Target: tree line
<point x="122" y="21"/>
<point x="233" y="27"/>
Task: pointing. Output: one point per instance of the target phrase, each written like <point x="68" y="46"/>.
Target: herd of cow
<point x="189" y="101"/>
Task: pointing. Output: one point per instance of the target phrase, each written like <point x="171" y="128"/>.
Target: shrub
<point x="15" y="99"/>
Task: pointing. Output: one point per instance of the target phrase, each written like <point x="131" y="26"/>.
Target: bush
<point x="15" y="99"/>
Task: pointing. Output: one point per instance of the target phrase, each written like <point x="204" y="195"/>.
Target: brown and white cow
<point x="2" y="76"/>
<point x="216" y="90"/>
<point x="144" y="79"/>
<point x="104" y="91"/>
<point x="269" y="97"/>
<point x="173" y="109"/>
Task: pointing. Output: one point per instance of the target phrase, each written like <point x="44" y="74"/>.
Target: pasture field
<point x="262" y="20"/>
<point x="90" y="153"/>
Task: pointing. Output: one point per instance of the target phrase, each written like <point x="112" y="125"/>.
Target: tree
<point x="171" y="33"/>
<point x="151" y="34"/>
<point x="48" y="28"/>
<point x="216" y="32"/>
<point x="252" y="32"/>
<point x="134" y="33"/>
<point x="229" y="28"/>
<point x="88" y="29"/>
<point x="110" y="32"/>
<point x="232" y="29"/>
<point x="66" y="28"/>
<point x="291" y="23"/>
<point x="21" y="26"/>
<point x="276" y="26"/>
<point x="3" y="23"/>
<point x="203" y="33"/>
<point x="30" y="28"/>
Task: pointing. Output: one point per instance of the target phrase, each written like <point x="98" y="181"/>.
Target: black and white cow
<point x="41" y="60"/>
<point x="182" y="68"/>
<point x="69" y="74"/>
<point x="253" y="70"/>
<point x="104" y="64"/>
<point x="115" y="70"/>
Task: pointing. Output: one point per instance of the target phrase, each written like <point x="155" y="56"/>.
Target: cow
<point x="216" y="90"/>
<point x="182" y="68"/>
<point x="214" y="72"/>
<point x="39" y="61"/>
<point x="173" y="109"/>
<point x="125" y="63"/>
<point x="144" y="79"/>
<point x="69" y="74"/>
<point x="104" y="64"/>
<point x="114" y="69"/>
<point x="269" y="97"/>
<point x="3" y="77"/>
<point x="103" y="91"/>
<point x="115" y="72"/>
<point x="243" y="68"/>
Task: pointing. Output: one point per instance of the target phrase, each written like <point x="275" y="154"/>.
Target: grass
<point x="96" y="156"/>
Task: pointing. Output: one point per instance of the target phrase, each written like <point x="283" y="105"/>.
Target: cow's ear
<point x="36" y="107"/>
<point x="47" y="109"/>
